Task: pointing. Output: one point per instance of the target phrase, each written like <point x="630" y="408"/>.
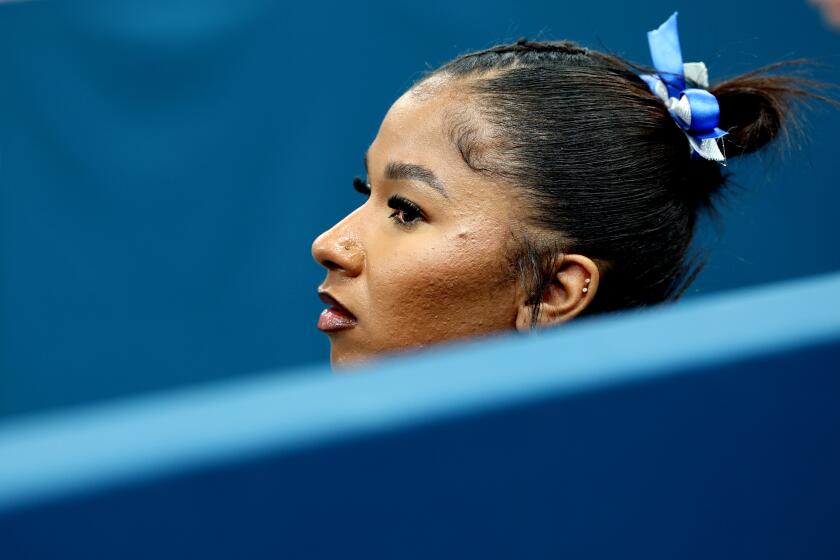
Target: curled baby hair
<point x="601" y="165"/>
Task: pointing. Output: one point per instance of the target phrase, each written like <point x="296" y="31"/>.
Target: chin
<point x="343" y="360"/>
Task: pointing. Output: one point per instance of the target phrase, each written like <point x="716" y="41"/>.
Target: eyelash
<point x="396" y="202"/>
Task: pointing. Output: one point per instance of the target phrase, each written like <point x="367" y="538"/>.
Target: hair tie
<point x="695" y="110"/>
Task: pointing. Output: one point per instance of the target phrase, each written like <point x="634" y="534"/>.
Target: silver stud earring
<point x="586" y="289"/>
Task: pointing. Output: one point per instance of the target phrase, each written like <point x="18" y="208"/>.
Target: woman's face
<point x="425" y="257"/>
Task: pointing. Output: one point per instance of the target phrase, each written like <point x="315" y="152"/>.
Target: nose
<point x="339" y="248"/>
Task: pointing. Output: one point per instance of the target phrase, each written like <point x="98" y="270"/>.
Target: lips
<point x="336" y="317"/>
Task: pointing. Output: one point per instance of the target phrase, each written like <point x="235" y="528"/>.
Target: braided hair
<point x="603" y="168"/>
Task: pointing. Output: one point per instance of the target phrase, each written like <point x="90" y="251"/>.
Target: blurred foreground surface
<point x="707" y="430"/>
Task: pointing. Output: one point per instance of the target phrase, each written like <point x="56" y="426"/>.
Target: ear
<point x="572" y="287"/>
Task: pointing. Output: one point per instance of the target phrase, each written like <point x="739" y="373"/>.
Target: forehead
<point x="417" y="129"/>
<point x="415" y="121"/>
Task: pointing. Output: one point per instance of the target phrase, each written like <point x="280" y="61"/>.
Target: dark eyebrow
<point x="397" y="170"/>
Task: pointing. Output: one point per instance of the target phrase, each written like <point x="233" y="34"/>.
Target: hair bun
<point x="757" y="106"/>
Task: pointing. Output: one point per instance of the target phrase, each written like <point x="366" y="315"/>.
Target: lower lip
<point x="334" y="319"/>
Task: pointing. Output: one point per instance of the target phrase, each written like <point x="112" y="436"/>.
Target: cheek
<point x="432" y="289"/>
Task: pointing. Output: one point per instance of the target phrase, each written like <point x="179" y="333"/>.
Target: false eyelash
<point x="361" y="186"/>
<point x="394" y="201"/>
<point x="399" y="203"/>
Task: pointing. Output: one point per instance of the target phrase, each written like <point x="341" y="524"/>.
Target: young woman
<point x="524" y="185"/>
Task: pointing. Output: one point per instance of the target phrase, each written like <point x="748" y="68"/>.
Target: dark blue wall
<point x="164" y="167"/>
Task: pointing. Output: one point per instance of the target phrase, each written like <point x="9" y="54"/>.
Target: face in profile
<point x="426" y="257"/>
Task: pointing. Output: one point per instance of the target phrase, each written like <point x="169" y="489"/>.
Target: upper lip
<point x="329" y="299"/>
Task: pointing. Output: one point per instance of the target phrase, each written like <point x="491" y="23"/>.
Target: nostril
<point x="331" y="265"/>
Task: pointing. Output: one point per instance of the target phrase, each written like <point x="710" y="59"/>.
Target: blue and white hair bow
<point x="695" y="110"/>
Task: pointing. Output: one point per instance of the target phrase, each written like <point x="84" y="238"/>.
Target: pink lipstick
<point x="336" y="317"/>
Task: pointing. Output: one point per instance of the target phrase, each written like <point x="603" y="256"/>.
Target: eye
<point x="407" y="213"/>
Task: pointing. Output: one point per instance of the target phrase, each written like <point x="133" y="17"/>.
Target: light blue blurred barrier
<point x="705" y="429"/>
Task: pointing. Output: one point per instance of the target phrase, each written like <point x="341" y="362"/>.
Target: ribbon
<point x="695" y="110"/>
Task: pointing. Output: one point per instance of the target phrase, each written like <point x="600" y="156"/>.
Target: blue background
<point x="165" y="166"/>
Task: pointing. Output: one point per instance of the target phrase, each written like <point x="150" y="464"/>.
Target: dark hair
<point x="602" y="164"/>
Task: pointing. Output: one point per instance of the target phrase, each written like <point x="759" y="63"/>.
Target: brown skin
<point x="830" y="11"/>
<point x="448" y="276"/>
